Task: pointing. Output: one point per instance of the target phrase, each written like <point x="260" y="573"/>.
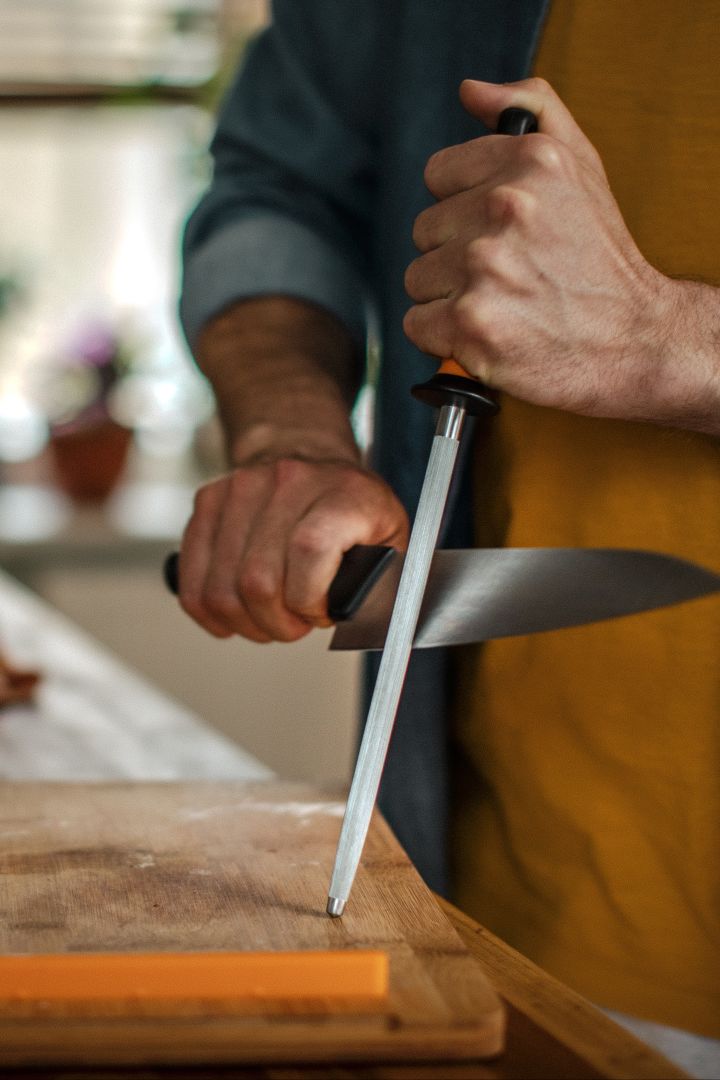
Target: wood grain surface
<point x="200" y="866"/>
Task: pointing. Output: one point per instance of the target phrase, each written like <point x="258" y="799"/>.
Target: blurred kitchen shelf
<point x="86" y="44"/>
<point x="88" y="49"/>
<point x="23" y="92"/>
<point x="138" y="526"/>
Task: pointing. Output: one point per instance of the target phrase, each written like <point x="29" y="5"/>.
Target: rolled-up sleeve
<point x="264" y="254"/>
<point x="289" y="208"/>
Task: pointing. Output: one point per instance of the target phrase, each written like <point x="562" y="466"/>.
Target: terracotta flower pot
<point x="90" y="460"/>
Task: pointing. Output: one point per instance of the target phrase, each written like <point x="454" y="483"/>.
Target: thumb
<point x="486" y="101"/>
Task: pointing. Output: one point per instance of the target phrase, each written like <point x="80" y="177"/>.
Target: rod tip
<point x="335" y="907"/>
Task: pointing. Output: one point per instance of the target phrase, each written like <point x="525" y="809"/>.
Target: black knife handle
<point x="450" y="385"/>
<point x="171" y="572"/>
<point x="361" y="566"/>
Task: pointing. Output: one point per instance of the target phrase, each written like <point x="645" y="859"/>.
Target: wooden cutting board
<point x="205" y="866"/>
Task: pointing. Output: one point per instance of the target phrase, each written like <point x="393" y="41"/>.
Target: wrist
<point x="264" y="442"/>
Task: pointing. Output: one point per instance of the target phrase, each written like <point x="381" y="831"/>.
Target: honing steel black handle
<point x="515" y="121"/>
<point x="361" y="566"/>
<point x="451" y="385"/>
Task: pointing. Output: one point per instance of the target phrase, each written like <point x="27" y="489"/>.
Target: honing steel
<point x="465" y="596"/>
<point x="455" y="395"/>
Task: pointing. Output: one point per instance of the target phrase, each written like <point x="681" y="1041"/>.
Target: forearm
<point x="689" y="369"/>
<point x="284" y="375"/>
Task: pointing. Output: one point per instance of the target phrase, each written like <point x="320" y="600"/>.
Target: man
<point x="574" y="774"/>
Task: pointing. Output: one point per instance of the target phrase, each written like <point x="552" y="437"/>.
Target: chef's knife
<point x="479" y="594"/>
<point x="455" y="395"/>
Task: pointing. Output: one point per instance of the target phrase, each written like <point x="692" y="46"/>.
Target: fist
<point x="528" y="276"/>
<point x="265" y="541"/>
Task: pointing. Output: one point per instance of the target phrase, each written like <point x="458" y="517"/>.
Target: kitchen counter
<point x="94" y="719"/>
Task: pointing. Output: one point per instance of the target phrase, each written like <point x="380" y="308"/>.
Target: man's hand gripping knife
<point x="265" y="540"/>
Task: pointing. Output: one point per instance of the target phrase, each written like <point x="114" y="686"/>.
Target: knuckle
<point x="470" y="317"/>
<point x="203" y="500"/>
<point x="219" y="602"/>
<point x="433" y="169"/>
<point x="481" y="253"/>
<point x="506" y="204"/>
<point x="313" y="538"/>
<point x="430" y="229"/>
<point x="418" y="329"/>
<point x="289" y="473"/>
<point x="358" y="486"/>
<point x="410" y="322"/>
<point x="411" y="281"/>
<point x="421" y="232"/>
<point x="246" y="628"/>
<point x="477" y="322"/>
<point x="539" y="86"/>
<point x="256" y="582"/>
<point x="551" y="154"/>
<point x="294" y="633"/>
<point x="241" y="482"/>
<point x="191" y="605"/>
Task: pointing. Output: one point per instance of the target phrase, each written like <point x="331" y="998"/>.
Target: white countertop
<point x="93" y="718"/>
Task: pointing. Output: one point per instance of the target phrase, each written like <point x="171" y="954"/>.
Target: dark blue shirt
<point x="318" y="176"/>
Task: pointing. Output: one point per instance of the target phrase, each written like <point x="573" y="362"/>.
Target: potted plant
<point x="89" y="447"/>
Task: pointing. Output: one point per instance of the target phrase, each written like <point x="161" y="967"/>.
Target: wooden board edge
<point x="225" y="1042"/>
<point x="564" y="1014"/>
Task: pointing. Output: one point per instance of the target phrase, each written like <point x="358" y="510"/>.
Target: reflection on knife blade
<point x="479" y="594"/>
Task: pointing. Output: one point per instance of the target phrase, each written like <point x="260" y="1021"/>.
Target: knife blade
<point x="479" y="594"/>
<point x="455" y="395"/>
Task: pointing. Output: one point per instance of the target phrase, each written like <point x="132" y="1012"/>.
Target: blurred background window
<point x="50" y="43"/>
<point x="106" y="110"/>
